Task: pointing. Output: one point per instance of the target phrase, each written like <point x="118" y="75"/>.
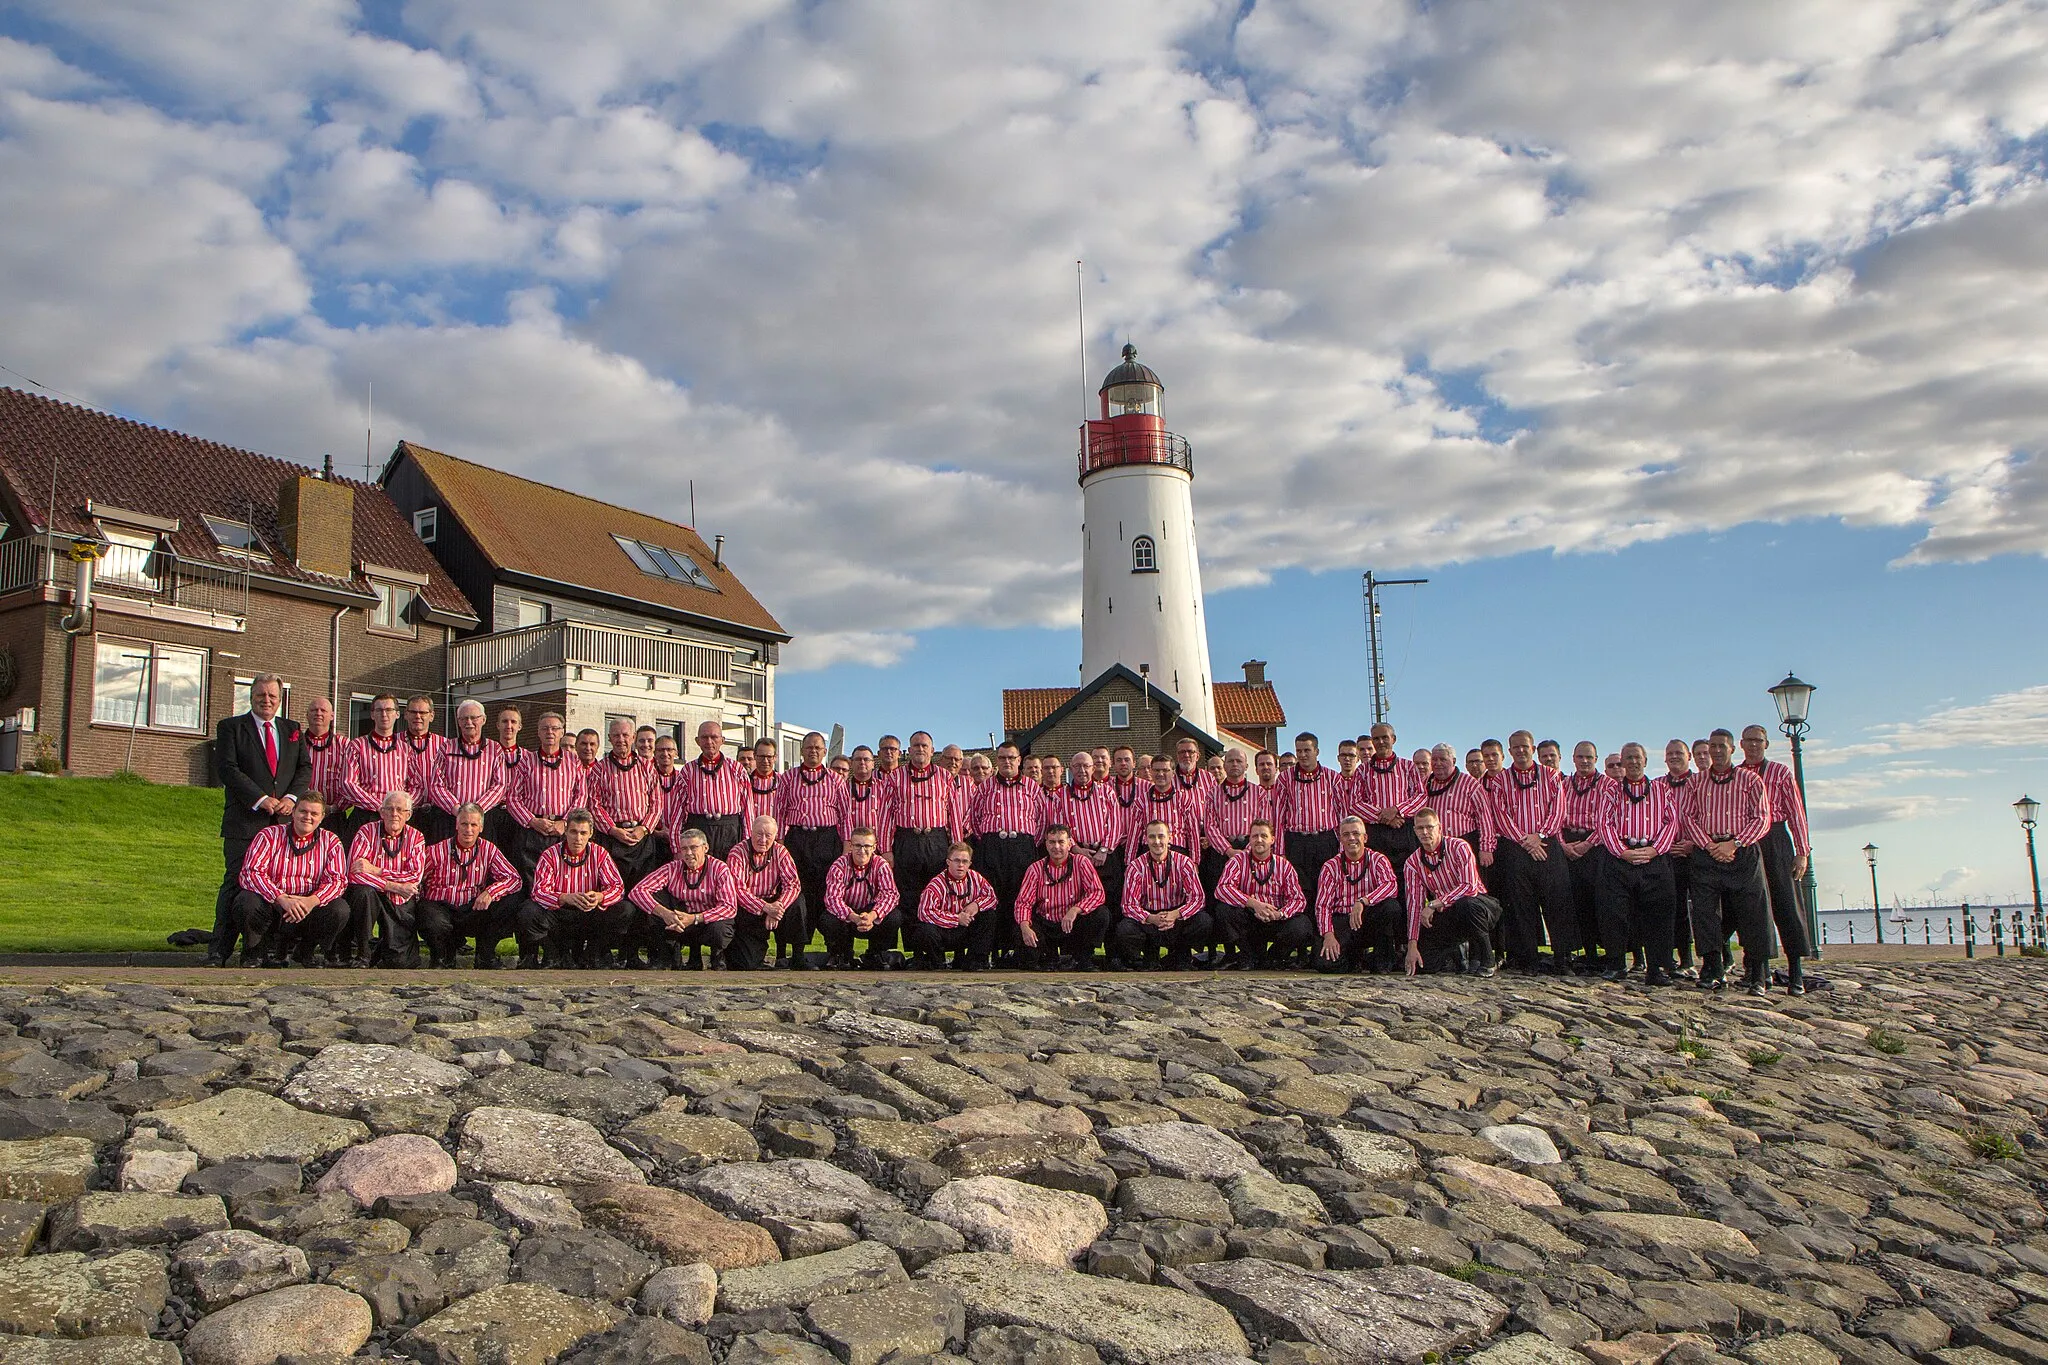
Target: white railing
<point x="125" y="572"/>
<point x="24" y="563"/>
<point x="560" y="643"/>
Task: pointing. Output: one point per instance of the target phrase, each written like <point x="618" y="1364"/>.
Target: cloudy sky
<point x="1679" y="346"/>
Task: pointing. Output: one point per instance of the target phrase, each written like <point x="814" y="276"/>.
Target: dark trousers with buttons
<point x="813" y="850"/>
<point x="1635" y="907"/>
<point x="1788" y="907"/>
<point x="1536" y="896"/>
<point x="1308" y="853"/>
<point x="917" y="856"/>
<point x="1269" y="940"/>
<point x="1729" y="896"/>
<point x="840" y="934"/>
<point x="1003" y="859"/>
<point x="1585" y="872"/>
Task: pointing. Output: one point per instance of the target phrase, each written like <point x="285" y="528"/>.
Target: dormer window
<point x="1144" y="556"/>
<point x="236" y="537"/>
<point x="662" y="562"/>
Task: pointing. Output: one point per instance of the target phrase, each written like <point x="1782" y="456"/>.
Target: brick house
<point x="208" y="565"/>
<point x="1116" y="709"/>
<point x="587" y="608"/>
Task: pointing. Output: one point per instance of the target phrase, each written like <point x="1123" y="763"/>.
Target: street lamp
<point x="1793" y="698"/>
<point x="2029" y="811"/>
<point x="1876" y="910"/>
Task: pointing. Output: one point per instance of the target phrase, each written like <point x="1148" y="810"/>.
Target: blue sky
<point x="1677" y="348"/>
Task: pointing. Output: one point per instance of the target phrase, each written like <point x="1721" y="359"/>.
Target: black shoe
<point x="486" y="962"/>
<point x="1180" y="960"/>
<point x="273" y="962"/>
<point x="801" y="962"/>
<point x="1713" y="981"/>
<point x="1615" y="975"/>
<point x="1657" y="976"/>
<point x="1795" y="978"/>
<point x="1238" y="962"/>
<point x="717" y="961"/>
<point x="529" y="962"/>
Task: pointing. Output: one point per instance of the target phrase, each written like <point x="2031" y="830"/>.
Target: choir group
<point x="616" y="851"/>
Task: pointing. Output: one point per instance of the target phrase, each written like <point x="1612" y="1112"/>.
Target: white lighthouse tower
<point x="1141" y="582"/>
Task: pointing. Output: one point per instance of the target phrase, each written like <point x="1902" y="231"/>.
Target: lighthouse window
<point x="1144" y="557"/>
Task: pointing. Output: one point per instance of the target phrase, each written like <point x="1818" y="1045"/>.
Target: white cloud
<point x="2006" y="721"/>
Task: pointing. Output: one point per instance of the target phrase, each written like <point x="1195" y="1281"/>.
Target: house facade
<point x="146" y="576"/>
<point x="1121" y="707"/>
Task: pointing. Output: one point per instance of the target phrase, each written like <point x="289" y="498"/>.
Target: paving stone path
<point x="1025" y="1171"/>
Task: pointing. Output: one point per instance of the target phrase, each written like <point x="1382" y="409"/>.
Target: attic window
<point x="661" y="562"/>
<point x="237" y="537"/>
<point x="426" y="524"/>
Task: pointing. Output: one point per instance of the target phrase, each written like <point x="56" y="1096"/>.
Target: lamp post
<point x="2029" y="811"/>
<point x="1793" y="698"/>
<point x="1876" y="910"/>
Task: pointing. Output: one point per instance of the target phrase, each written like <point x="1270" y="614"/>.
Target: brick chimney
<point x="1255" y="672"/>
<point x="317" y="521"/>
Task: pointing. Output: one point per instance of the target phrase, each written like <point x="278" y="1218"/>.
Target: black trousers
<point x="504" y="831"/>
<point x="1003" y="859"/>
<point x="917" y="856"/>
<point x="662" y="941"/>
<point x="433" y="823"/>
<point x="1394" y="843"/>
<point x="1053" y="941"/>
<point x="228" y="918"/>
<point x="1788" y="907"/>
<point x="1681" y="905"/>
<point x="1266" y="939"/>
<point x="1730" y="896"/>
<point x="750" y="934"/>
<point x="1635" y="906"/>
<point x="634" y="861"/>
<point x="271" y="938"/>
<point x="1133" y="942"/>
<point x="814" y="850"/>
<point x="396" y="924"/>
<point x="840" y="934"/>
<point x="1308" y="853"/>
<point x="525" y="851"/>
<point x="445" y="926"/>
<point x="1538" y="896"/>
<point x="1585" y="873"/>
<point x="1112" y="873"/>
<point x="720" y="831"/>
<point x="584" y="936"/>
<point x="968" y="943"/>
<point x="1381" y="934"/>
<point x="1463" y="924"/>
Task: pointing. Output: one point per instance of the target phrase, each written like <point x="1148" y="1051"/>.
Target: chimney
<point x="1255" y="672"/>
<point x="317" y="521"/>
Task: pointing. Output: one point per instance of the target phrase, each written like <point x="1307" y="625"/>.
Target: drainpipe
<point x="334" y="666"/>
<point x="84" y="555"/>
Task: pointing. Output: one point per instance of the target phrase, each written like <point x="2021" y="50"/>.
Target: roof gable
<point x="524" y="527"/>
<point x="1076" y="696"/>
<point x="1238" y="705"/>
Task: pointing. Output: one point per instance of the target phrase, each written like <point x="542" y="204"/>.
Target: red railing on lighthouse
<point x="1108" y="444"/>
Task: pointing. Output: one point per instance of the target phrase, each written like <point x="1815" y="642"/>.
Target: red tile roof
<point x="1238" y="705"/>
<point x="1024" y="707"/>
<point x="526" y="527"/>
<point x="111" y="460"/>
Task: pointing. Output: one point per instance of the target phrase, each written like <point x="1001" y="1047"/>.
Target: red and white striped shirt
<point x="1049" y="892"/>
<point x="811" y="798"/>
<point x="1343" y="884"/>
<point x="558" y="876"/>
<point x="622" y="797"/>
<point x="1680" y="790"/>
<point x="1462" y="804"/>
<point x="403" y="859"/>
<point x="512" y="760"/>
<point x="1528" y="802"/>
<point x="763" y="882"/>
<point x="1228" y="811"/>
<point x="1451" y="875"/>
<point x="456" y="876"/>
<point x="1783" y="794"/>
<point x="372" y="770"/>
<point x="460" y="774"/>
<point x="944" y="900"/>
<point x="1091" y="814"/>
<point x="1246" y="879"/>
<point x="1584" y="799"/>
<point x="851" y="891"/>
<point x="672" y="799"/>
<point x="421" y="754"/>
<point x="1375" y="787"/>
<point x="1309" y="803"/>
<point x="709" y="891"/>
<point x="277" y="865"/>
<point x="1735" y="806"/>
<point x="761" y="794"/>
<point x="1174" y="809"/>
<point x="547" y="788"/>
<point x="921" y="800"/>
<point x="867" y="807"/>
<point x="1009" y="807"/>
<point x="1638" y="815"/>
<point x="1195" y="785"/>
<point x="1151" y="888"/>
<point x="328" y="758"/>
<point x="716" y="789"/>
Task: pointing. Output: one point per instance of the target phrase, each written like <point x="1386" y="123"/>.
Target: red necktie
<point x="270" y="747"/>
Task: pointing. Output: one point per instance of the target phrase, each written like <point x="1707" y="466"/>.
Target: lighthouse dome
<point x="1130" y="372"/>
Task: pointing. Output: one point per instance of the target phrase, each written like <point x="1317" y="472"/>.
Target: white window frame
<point x="387" y="594"/>
<point x="1144" y="555"/>
<point x="426" y="524"/>
<point x="255" y="549"/>
<point x="1119" y="715"/>
<point x="146" y="696"/>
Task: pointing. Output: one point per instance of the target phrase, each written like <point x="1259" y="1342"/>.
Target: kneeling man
<point x="293" y="882"/>
<point x="1449" y="911"/>
<point x="470" y="890"/>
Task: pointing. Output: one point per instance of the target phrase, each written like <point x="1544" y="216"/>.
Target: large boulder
<point x="303" y="1320"/>
<point x="1135" y="1323"/>
<point x="1400" y="1313"/>
<point x="247" y="1125"/>
<point x="538" y="1149"/>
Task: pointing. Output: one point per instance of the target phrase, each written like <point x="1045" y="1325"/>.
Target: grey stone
<point x="687" y="1294"/>
<point x="98" y="1351"/>
<point x="1140" y="1324"/>
<point x="1155" y="1196"/>
<point x="247" y="1125"/>
<point x="1184" y="1149"/>
<point x="33" y="1118"/>
<point x="20" y="1225"/>
<point x="642" y="1341"/>
<point x="45" y="1170"/>
<point x="1913" y="1330"/>
<point x="149" y="1166"/>
<point x="1415" y="1242"/>
<point x="378" y="1084"/>
<point x="1028" y="1346"/>
<point x="1277" y="1244"/>
<point x="598" y="1100"/>
<point x="1524" y="1142"/>
<point x="799" y="1137"/>
<point x="535" y="1208"/>
<point x="582" y="1263"/>
<point x="99" y="1222"/>
<point x="776" y="1348"/>
<point x="511" y="1324"/>
<point x="863" y="1266"/>
<point x="236" y="1181"/>
<point x="918" y="1241"/>
<point x="221" y="1267"/>
<point x="468" y="1255"/>
<point x="538" y="1149"/>
<point x="401" y="1288"/>
<point x="288" y="1217"/>
<point x="29" y="1073"/>
<point x="1376" y="1156"/>
<point x="1257" y="1200"/>
<point x="877" y="1028"/>
<point x="1034" y="1224"/>
<point x="65" y="1293"/>
<point x="416" y="1211"/>
<point x="1533" y="1348"/>
<point x="903" y="1319"/>
<point x="808" y="1236"/>
<point x="303" y="1320"/>
<point x="1401" y="1313"/>
<point x="673" y="1136"/>
<point x="797" y="1188"/>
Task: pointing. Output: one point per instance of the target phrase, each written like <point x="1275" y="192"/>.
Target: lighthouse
<point x="1141" y="581"/>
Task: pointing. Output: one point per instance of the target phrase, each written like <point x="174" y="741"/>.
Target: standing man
<point x="1676" y="778"/>
<point x="1448" y="908"/>
<point x="888" y="759"/>
<point x="422" y="751"/>
<point x="1163" y="903"/>
<point x="923" y="819"/>
<point x="867" y="799"/>
<point x="259" y="758"/>
<point x="1386" y="791"/>
<point x="761" y="784"/>
<point x="375" y="765"/>
<point x="1004" y="825"/>
<point x="812" y="805"/>
<point x="1550" y="754"/>
<point x="469" y="770"/>
<point x="1264" y="913"/>
<point x="1638" y="822"/>
<point x="1585" y="797"/>
<point x="1460" y="803"/>
<point x="1786" y="850"/>
<point x="861" y="901"/>
<point x="1528" y="811"/>
<point x="549" y="786"/>
<point x="717" y="792"/>
<point x="294" y="883"/>
<point x="1729" y="820"/>
<point x="499" y="826"/>
<point x="1189" y="775"/>
<point x="1347" y="765"/>
<point x="589" y="748"/>
<point x="1266" y="768"/>
<point x="471" y="891"/>
<point x="1308" y="804"/>
<point x="1163" y="802"/>
<point x="1228" y="809"/>
<point x="771" y="899"/>
<point x="1051" y="775"/>
<point x="326" y="762"/>
<point x="1060" y="915"/>
<point x="386" y="862"/>
<point x="625" y="804"/>
<point x="1359" y="916"/>
<point x="1091" y="816"/>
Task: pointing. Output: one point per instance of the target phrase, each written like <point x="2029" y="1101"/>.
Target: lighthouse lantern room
<point x="1141" y="580"/>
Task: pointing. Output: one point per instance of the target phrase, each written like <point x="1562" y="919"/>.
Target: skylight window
<point x="237" y="536"/>
<point x="662" y="562"/>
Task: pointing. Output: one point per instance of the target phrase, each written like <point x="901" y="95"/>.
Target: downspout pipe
<point x="334" y="667"/>
<point x="85" y="554"/>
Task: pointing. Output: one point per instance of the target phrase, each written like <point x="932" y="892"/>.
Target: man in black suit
<point x="260" y="759"/>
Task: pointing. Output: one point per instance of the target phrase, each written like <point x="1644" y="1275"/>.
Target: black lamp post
<point x="1793" y="698"/>
<point x="2029" y="811"/>
<point x="1876" y="910"/>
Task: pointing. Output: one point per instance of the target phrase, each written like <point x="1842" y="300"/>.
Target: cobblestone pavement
<point x="1023" y="1170"/>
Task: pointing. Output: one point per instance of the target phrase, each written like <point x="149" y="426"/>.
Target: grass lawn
<point x="104" y="864"/>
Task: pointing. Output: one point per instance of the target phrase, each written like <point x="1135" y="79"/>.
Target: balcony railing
<point x="130" y="574"/>
<point x="560" y="644"/>
<point x="1110" y="449"/>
